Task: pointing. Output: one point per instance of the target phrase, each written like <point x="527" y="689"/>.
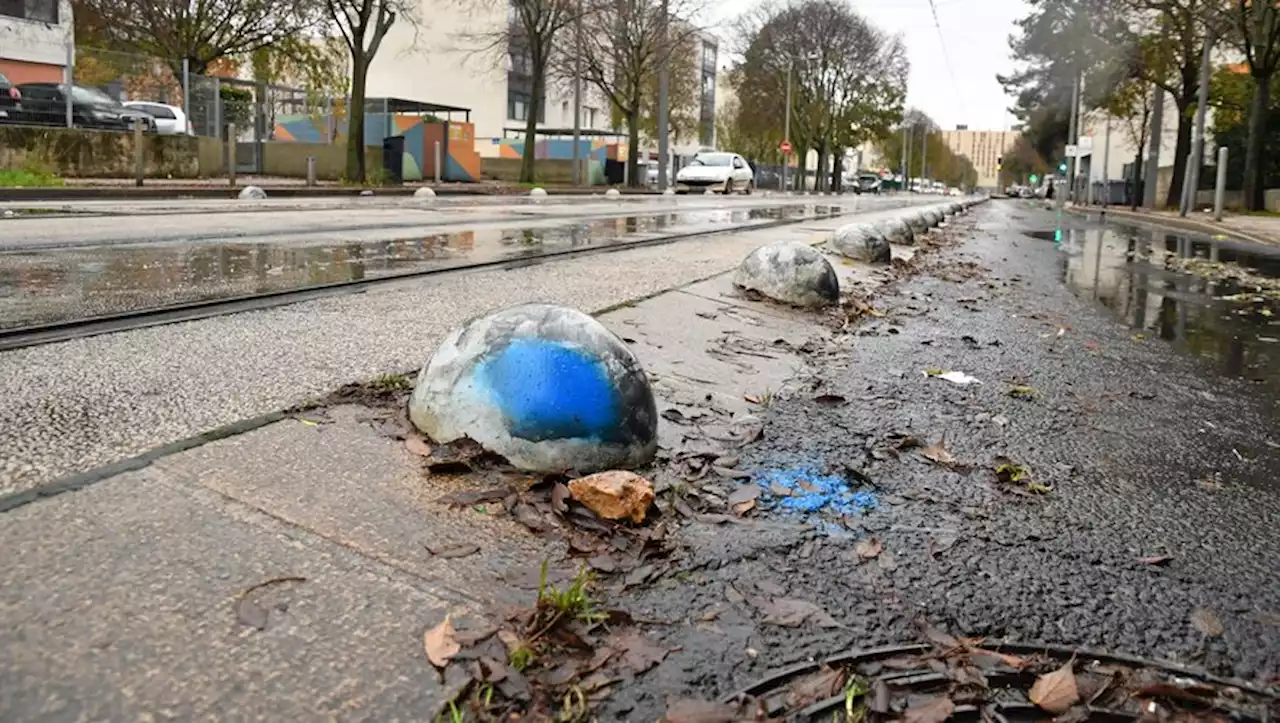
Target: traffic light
<point x="1062" y="166"/>
<point x="1034" y="178"/>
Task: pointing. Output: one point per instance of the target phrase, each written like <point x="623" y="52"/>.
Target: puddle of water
<point x="51" y="285"/>
<point x="1219" y="300"/>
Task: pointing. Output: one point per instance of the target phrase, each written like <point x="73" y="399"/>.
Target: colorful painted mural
<point x="461" y="161"/>
<point x="595" y="150"/>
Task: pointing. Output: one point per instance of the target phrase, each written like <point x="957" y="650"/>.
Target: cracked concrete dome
<point x="252" y="193"/>
<point x="897" y="231"/>
<point x="790" y="272"/>
<point x="547" y="387"/>
<point x="862" y="241"/>
<point x="918" y="222"/>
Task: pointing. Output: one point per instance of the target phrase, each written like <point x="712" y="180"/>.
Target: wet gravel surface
<point x="1148" y="451"/>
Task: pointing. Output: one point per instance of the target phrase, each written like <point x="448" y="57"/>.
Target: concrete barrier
<point x="547" y="387"/>
<point x="84" y="153"/>
<point x="790" y="272"/>
<point x="862" y="241"/>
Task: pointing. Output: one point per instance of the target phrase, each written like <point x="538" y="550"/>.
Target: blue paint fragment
<point x="824" y="492"/>
<point x="547" y="389"/>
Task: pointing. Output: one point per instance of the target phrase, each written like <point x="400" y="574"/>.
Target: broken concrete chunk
<point x="614" y="495"/>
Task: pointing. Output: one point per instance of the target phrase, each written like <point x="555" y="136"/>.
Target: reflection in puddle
<point x="1217" y="299"/>
<point x="60" y="284"/>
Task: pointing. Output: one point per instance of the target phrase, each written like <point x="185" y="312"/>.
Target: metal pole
<point x="138" y="152"/>
<point x="906" y="166"/>
<point x="328" y="119"/>
<point x="69" y="73"/>
<point x="1220" y="190"/>
<point x="186" y="89"/>
<point x="1106" y="165"/>
<point x="903" y="168"/>
<point x="1153" y="155"/>
<point x="438" y="161"/>
<point x="663" y="121"/>
<point x="1191" y="174"/>
<point x="577" y="98"/>
<point x="786" y="128"/>
<point x="217" y="108"/>
<point x="1073" y="136"/>
<point x="924" y="156"/>
<point x="231" y="153"/>
<point x="311" y="170"/>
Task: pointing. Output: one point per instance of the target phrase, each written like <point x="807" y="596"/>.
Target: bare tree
<point x="1258" y="24"/>
<point x="198" y="31"/>
<point x="630" y="41"/>
<point x="529" y="40"/>
<point x="363" y="24"/>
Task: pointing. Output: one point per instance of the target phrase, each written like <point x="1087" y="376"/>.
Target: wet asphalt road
<point x="1149" y="451"/>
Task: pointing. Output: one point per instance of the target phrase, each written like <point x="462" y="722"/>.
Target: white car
<point x="725" y="172"/>
<point x="170" y="120"/>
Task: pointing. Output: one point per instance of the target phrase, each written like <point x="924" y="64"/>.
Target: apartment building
<point x="983" y="149"/>
<point x="34" y="37"/>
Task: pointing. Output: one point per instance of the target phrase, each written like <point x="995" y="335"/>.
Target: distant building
<point x="983" y="149"/>
<point x="34" y="37"/>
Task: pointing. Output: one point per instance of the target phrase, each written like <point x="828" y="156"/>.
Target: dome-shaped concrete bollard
<point x="669" y="192"/>
<point x="790" y="272"/>
<point x="366" y="193"/>
<point x="613" y="193"/>
<point x="862" y="241"/>
<point x="917" y="221"/>
<point x="897" y="231"/>
<point x="538" y="192"/>
<point x="934" y="215"/>
<point x="252" y="193"/>
<point x="547" y="387"/>
<point x="424" y="192"/>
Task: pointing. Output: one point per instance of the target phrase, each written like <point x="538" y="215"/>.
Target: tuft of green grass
<point x="522" y="657"/>
<point x="391" y="383"/>
<point x="575" y="601"/>
<point x="30" y="175"/>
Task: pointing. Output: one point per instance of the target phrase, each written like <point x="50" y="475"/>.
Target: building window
<point x="708" y="57"/>
<point x="589" y="117"/>
<point x="44" y="11"/>
<point x="566" y="115"/>
<point x="518" y="107"/>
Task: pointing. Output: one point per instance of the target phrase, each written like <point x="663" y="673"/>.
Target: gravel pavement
<point x="1148" y="453"/>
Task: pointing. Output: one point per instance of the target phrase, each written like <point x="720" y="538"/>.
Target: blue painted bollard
<point x="547" y="387"/>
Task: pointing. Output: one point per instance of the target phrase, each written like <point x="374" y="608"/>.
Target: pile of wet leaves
<point x="954" y="678"/>
<point x="554" y="660"/>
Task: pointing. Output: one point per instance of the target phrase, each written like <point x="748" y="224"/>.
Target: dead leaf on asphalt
<point x="888" y="562"/>
<point x="450" y="552"/>
<point x="935" y="711"/>
<point x="778" y="490"/>
<point x="688" y="710"/>
<point x="868" y="548"/>
<point x="251" y="614"/>
<point x="938" y="454"/>
<point x="560" y="497"/>
<point x="790" y="613"/>
<point x="417" y="445"/>
<point x="441" y="643"/>
<point x="1207" y="622"/>
<point x="743" y="499"/>
<point x="752" y="398"/>
<point x="638" y="652"/>
<point x="815" y="687"/>
<point x="1055" y="692"/>
<point x="1157" y="560"/>
<point x="879" y="697"/>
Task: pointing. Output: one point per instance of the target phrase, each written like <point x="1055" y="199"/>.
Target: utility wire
<point x="955" y="85"/>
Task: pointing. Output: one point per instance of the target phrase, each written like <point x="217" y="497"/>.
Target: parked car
<point x="46" y="103"/>
<point x="170" y="120"/>
<point x="727" y="171"/>
<point x="867" y="183"/>
<point x="10" y="101"/>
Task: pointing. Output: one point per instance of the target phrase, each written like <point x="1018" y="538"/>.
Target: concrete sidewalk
<point x="1263" y="229"/>
<point x="286" y="573"/>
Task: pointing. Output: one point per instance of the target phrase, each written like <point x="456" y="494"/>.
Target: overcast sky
<point x="976" y="34"/>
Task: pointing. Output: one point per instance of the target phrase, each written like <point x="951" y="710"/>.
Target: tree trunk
<point x="837" y="167"/>
<point x="1254" y="182"/>
<point x="1182" y="149"/>
<point x="531" y="126"/>
<point x="355" y="130"/>
<point x="820" y="173"/>
<point x="1136" y="199"/>
<point x="633" y="145"/>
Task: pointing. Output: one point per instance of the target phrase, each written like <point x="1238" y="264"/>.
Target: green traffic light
<point x="1062" y="166"/>
<point x="1034" y="178"/>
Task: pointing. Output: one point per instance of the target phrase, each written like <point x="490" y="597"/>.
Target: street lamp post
<point x="663" y="118"/>
<point x="786" y="126"/>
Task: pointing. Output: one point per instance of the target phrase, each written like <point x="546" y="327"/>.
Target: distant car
<point x="867" y="183"/>
<point x="727" y="172"/>
<point x="46" y="103"/>
<point x="170" y="120"/>
<point x="10" y="101"/>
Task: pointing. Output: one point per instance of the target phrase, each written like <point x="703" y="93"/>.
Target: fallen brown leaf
<point x="935" y="711"/>
<point x="1207" y="622"/>
<point x="441" y="643"/>
<point x="813" y="688"/>
<point x="868" y="548"/>
<point x="449" y="552"/>
<point x="745" y="493"/>
<point x="789" y="613"/>
<point x="688" y="710"/>
<point x="888" y="562"/>
<point x="417" y="445"/>
<point x="638" y="652"/>
<point x="752" y="398"/>
<point x="1156" y="560"/>
<point x="938" y="454"/>
<point x="1055" y="692"/>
